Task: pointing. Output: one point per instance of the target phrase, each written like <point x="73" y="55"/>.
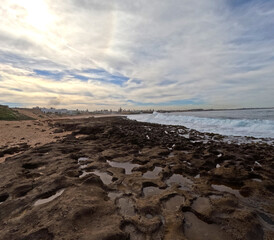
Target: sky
<point x="169" y="54"/>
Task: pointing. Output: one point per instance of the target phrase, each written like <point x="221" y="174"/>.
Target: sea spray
<point x="259" y="128"/>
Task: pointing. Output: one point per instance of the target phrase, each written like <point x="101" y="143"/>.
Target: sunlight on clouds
<point x="38" y="14"/>
<point x="149" y="52"/>
<point x="41" y="91"/>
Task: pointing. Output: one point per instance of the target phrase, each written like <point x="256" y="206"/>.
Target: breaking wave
<point x="259" y="128"/>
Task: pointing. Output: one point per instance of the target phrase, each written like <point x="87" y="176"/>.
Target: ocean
<point x="258" y="123"/>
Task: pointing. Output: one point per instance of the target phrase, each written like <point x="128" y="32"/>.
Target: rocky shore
<point x="114" y="179"/>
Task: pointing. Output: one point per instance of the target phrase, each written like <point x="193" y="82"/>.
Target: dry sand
<point x="17" y="136"/>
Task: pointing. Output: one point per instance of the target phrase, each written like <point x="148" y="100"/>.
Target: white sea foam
<point x="259" y="128"/>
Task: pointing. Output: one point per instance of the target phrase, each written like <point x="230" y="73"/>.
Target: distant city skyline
<point x="139" y="54"/>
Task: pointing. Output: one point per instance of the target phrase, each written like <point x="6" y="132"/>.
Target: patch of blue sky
<point x="243" y="40"/>
<point x="255" y="34"/>
<point x="114" y="80"/>
<point x="105" y="76"/>
<point x="244" y="65"/>
<point x="17" y="60"/>
<point x="80" y="77"/>
<point x="271" y="58"/>
<point x="237" y="3"/>
<point x="118" y="80"/>
<point x="56" y="75"/>
<point x="256" y="18"/>
<point x="96" y="74"/>
<point x="192" y="101"/>
<point x="94" y="70"/>
<point x="242" y="3"/>
<point x="102" y="104"/>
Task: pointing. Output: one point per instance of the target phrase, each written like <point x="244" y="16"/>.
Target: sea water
<point x="258" y="123"/>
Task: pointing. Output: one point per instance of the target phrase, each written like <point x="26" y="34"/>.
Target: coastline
<point x="258" y="126"/>
<point x="170" y="183"/>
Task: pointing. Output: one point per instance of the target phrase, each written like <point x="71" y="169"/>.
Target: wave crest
<point x="230" y="127"/>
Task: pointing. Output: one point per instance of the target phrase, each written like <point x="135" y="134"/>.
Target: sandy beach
<point x="113" y="178"/>
<point x="18" y="136"/>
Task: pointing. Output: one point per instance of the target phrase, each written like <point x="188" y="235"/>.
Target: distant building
<point x="60" y="111"/>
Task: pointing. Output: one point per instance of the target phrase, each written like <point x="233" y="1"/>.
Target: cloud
<point x="54" y="102"/>
<point x="214" y="53"/>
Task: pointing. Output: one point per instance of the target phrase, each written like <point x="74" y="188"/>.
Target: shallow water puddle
<point x="257" y="180"/>
<point x="174" y="203"/>
<point x="223" y="188"/>
<point x="153" y="174"/>
<point x="105" y="177"/>
<point x="82" y="159"/>
<point x="151" y="191"/>
<point x="185" y="135"/>
<point x="83" y="166"/>
<point x="85" y="173"/>
<point x="184" y="182"/>
<point x="126" y="206"/>
<point x="49" y="199"/>
<point x="195" y="229"/>
<point x="128" y="166"/>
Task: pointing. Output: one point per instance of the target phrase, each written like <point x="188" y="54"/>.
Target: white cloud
<point x="209" y="50"/>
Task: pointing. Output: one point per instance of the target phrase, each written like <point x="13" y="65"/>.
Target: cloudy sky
<point x="101" y="54"/>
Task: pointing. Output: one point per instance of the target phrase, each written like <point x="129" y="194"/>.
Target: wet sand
<point x="112" y="178"/>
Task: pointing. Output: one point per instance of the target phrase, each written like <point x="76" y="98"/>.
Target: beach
<point x="115" y="178"/>
<point x="18" y="136"/>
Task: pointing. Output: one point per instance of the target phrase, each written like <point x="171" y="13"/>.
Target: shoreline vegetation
<point x="114" y="178"/>
<point x="9" y="114"/>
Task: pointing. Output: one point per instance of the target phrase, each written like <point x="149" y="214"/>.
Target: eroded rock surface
<point x="113" y="178"/>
